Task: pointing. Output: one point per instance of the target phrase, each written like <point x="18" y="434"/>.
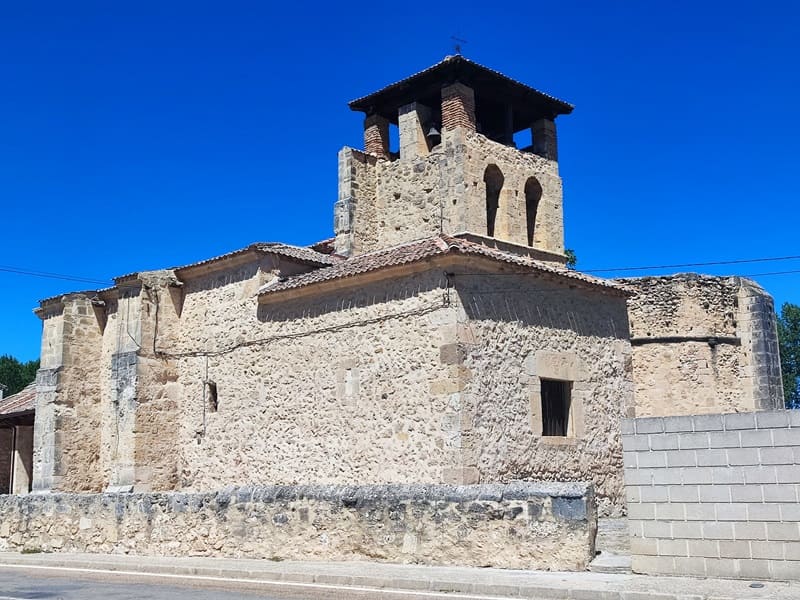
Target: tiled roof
<point x="22" y="402"/>
<point x="455" y="60"/>
<point x="421" y="249"/>
<point x="300" y="253"/>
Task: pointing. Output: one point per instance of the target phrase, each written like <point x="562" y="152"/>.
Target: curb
<point x="408" y="585"/>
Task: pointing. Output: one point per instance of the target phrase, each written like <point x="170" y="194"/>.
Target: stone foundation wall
<point x="524" y="525"/>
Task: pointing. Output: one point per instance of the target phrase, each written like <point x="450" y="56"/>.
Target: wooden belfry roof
<point x="494" y="92"/>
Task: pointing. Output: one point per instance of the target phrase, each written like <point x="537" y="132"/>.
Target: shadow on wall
<point x="536" y="303"/>
<point x="405" y="291"/>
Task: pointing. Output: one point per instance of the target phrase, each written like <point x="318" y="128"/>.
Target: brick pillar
<point x="458" y="107"/>
<point x="545" y="142"/>
<point x="376" y="136"/>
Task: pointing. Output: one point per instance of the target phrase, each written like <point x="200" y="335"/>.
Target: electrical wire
<point x="33" y="273"/>
<point x="78" y="278"/>
<point x="698" y="264"/>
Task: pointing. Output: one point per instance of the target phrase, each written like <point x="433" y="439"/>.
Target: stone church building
<point x="438" y="337"/>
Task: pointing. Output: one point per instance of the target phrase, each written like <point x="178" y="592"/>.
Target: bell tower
<point x="456" y="169"/>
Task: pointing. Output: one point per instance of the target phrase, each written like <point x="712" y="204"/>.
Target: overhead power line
<point x="106" y="282"/>
<point x="77" y="278"/>
<point x="698" y="264"/>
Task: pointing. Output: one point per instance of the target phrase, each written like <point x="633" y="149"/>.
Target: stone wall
<point x="398" y="378"/>
<point x="703" y="344"/>
<point x="525" y="526"/>
<point x="6" y="458"/>
<point x="384" y="203"/>
<point x="518" y="330"/>
<point x="715" y="495"/>
<point x="69" y="388"/>
<point x="345" y="387"/>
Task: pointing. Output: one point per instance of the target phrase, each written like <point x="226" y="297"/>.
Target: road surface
<point x="27" y="583"/>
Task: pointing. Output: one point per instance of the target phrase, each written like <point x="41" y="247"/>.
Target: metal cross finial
<point x="458" y="41"/>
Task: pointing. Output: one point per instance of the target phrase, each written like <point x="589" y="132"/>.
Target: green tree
<point x="572" y="260"/>
<point x="15" y="375"/>
<point x="789" y="343"/>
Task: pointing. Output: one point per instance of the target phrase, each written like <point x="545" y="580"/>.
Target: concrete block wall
<point x="714" y="495"/>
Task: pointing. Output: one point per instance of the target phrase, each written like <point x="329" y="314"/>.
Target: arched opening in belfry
<point x="533" y="193"/>
<point x="493" y="178"/>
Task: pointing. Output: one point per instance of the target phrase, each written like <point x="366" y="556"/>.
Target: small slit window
<point x="556" y="401"/>
<point x="213" y="402"/>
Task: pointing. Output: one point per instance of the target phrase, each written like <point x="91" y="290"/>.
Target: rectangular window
<point x="555" y="407"/>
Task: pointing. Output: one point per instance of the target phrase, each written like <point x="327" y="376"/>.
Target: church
<point x="437" y="338"/>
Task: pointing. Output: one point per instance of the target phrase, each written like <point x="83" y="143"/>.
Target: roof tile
<point x="420" y="250"/>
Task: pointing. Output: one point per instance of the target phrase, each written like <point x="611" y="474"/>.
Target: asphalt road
<point x="29" y="584"/>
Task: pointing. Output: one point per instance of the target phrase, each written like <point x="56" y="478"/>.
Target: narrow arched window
<point x="493" y="178"/>
<point x="533" y="193"/>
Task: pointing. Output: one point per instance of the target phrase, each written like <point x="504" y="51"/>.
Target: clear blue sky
<point x="143" y="135"/>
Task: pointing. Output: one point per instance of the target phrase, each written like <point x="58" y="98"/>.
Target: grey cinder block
<point x="724" y="439"/>
<point x="759" y="474"/>
<point x="786" y="437"/>
<point x="670" y="512"/>
<point x="672" y="548"/>
<point x="657" y="529"/>
<point x="690" y="441"/>
<point x="783" y="531"/>
<point x="783" y="455"/>
<point x="779" y="493"/>
<point x="707" y="422"/>
<point x="705" y="548"/>
<point x="743" y="456"/>
<point x="731" y="512"/>
<point x="734" y="549"/>
<point x="754" y="569"/>
<point x="696" y="475"/>
<point x="768" y="550"/>
<point x="649" y="425"/>
<point x="746" y="493"/>
<point x="682" y="458"/>
<point x="763" y="512"/>
<point x="772" y="418"/>
<point x="739" y="421"/>
<point x="714" y="493"/>
<point x="651" y="459"/>
<point x="727" y="474"/>
<point x="689" y="530"/>
<point x="683" y="493"/>
<point x="750" y="531"/>
<point x="755" y="438"/>
<point x="714" y="530"/>
<point x="666" y="441"/>
<point x="678" y="424"/>
<point x="656" y="493"/>
<point x="710" y="458"/>
<point x="635" y="443"/>
<point x="786" y="569"/>
<point x="700" y="512"/>
<point x="787" y="473"/>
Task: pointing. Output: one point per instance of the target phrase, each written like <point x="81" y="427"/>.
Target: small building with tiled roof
<point x="437" y="337"/>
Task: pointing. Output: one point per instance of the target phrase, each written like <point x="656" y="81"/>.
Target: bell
<point x="433" y="134"/>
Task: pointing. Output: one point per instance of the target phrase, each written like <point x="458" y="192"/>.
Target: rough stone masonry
<point x="436" y="339"/>
<point x="526" y="526"/>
